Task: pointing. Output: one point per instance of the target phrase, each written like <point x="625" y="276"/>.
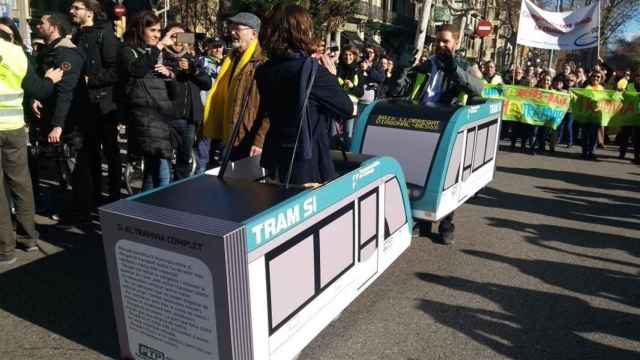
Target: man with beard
<point x="96" y="38"/>
<point x="235" y="92"/>
<point x="63" y="113"/>
<point x="442" y="80"/>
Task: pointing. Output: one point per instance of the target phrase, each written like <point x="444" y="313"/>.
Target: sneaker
<point x="29" y="247"/>
<point x="7" y="259"/>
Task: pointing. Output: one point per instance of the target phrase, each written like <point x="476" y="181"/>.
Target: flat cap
<point x="246" y="19"/>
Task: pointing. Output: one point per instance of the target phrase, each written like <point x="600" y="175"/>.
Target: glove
<point x="448" y="62"/>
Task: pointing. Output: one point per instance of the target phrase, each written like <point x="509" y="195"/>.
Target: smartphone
<point x="186" y="38"/>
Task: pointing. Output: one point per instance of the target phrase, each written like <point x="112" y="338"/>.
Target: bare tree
<point x="197" y="15"/>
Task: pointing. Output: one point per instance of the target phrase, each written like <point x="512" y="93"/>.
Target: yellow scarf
<point x="218" y="110"/>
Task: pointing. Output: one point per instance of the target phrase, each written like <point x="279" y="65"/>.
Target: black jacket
<point x="459" y="80"/>
<point x="184" y="91"/>
<point x="278" y="81"/>
<point x="66" y="107"/>
<point x="150" y="110"/>
<point x="34" y="86"/>
<point x="101" y="48"/>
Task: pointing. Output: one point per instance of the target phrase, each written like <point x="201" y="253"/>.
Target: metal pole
<point x="551" y="51"/>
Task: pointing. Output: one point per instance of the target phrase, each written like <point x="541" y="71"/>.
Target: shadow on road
<point x="533" y="324"/>
<point x="552" y="237"/>
<point x="588" y="211"/>
<point x="580" y="179"/>
<point x="612" y="285"/>
<point x="66" y="293"/>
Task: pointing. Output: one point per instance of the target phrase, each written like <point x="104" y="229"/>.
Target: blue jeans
<point x="157" y="173"/>
<point x="187" y="132"/>
<point x="567" y="123"/>
<point x="203" y="153"/>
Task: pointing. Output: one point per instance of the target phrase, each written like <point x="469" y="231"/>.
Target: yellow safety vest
<point x="13" y="69"/>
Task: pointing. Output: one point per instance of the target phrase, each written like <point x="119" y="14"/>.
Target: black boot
<point x="447" y="232"/>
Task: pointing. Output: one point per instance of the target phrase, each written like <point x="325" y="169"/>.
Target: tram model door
<point x="369" y="228"/>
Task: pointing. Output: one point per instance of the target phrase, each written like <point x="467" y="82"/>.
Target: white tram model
<point x="236" y="268"/>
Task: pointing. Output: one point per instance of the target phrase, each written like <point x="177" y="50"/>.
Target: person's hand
<point x="163" y="70"/>
<point x="349" y="83"/>
<point x="255" y="151"/>
<point x="35" y="107"/>
<point x="54" y="135"/>
<point x="167" y="40"/>
<point x="55" y="75"/>
<point x="183" y="64"/>
<point x="329" y="64"/>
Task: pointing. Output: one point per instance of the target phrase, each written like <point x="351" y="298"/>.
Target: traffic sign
<point x="484" y="28"/>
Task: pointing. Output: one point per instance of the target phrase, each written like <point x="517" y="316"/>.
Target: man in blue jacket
<point x="441" y="80"/>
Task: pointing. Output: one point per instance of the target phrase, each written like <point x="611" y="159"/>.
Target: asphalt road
<point x="546" y="266"/>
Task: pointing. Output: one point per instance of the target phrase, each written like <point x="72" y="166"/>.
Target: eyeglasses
<point x="78" y="8"/>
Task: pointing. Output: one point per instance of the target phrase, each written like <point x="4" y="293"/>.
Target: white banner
<point x="569" y="30"/>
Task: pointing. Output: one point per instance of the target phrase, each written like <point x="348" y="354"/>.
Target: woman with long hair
<point x="150" y="110"/>
<point x="298" y="134"/>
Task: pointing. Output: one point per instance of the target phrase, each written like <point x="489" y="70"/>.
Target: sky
<point x="633" y="29"/>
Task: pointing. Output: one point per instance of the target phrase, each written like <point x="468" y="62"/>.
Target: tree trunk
<point x="421" y="33"/>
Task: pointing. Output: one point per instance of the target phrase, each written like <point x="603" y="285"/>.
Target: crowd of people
<point x="267" y="89"/>
<point x="534" y="139"/>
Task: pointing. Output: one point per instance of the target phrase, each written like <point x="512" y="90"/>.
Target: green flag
<point x="532" y="106"/>
<point x="606" y="107"/>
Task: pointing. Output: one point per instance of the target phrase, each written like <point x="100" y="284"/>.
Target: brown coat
<point x="253" y="123"/>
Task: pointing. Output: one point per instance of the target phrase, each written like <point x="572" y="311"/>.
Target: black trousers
<point x="107" y="138"/>
<point x="446" y="224"/>
<point x="97" y="137"/>
<point x="629" y="133"/>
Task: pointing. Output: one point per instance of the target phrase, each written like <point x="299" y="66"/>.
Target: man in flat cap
<point x="234" y="84"/>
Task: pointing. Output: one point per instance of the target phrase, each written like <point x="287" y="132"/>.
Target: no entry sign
<point x="484" y="28"/>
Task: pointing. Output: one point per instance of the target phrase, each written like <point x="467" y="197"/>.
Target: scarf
<point x="218" y="110"/>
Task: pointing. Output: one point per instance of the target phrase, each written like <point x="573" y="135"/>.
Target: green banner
<point x="532" y="106"/>
<point x="605" y="107"/>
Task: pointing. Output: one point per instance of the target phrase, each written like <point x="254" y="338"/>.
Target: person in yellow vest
<point x="16" y="78"/>
<point x="631" y="132"/>
<point x="235" y="93"/>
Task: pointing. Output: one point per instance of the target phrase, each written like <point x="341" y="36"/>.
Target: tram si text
<point x="284" y="220"/>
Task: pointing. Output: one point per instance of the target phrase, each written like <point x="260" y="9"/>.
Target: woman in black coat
<point x="150" y="110"/>
<point x="283" y="82"/>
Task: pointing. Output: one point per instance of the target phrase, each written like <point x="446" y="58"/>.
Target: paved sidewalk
<point x="546" y="266"/>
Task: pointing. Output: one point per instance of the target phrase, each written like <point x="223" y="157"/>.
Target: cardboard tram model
<point x="236" y="268"/>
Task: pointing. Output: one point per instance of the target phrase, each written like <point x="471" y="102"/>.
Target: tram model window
<point x="453" y="171"/>
<point x="491" y="142"/>
<point x="481" y="146"/>
<point x="336" y="247"/>
<point x="468" y="153"/>
<point x="413" y="149"/>
<point x="301" y="268"/>
<point x="293" y="266"/>
<point x="394" y="212"/>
